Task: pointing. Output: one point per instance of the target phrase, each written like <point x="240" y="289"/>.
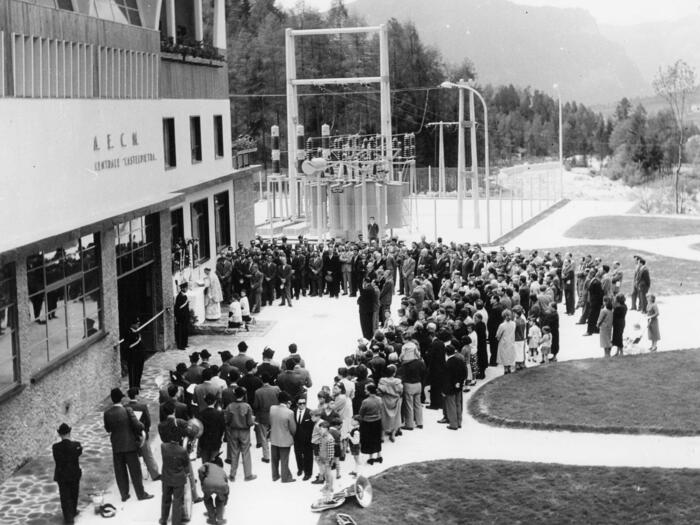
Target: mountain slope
<point x="522" y="45"/>
<point x="659" y="44"/>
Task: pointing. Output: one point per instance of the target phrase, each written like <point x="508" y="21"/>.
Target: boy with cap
<point x="67" y="473"/>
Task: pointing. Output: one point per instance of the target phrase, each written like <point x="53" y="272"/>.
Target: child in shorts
<point x="355" y="444"/>
<point x="533" y="341"/>
<point x="545" y="344"/>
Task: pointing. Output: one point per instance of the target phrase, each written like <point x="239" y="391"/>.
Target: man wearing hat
<point x="182" y="317"/>
<point x="268" y="366"/>
<point x="67" y="473"/>
<point x="239" y="418"/>
<point x="204" y="356"/>
<point x="226" y="365"/>
<point x="134" y="354"/>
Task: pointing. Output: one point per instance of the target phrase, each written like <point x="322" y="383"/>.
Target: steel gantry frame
<point x="296" y="154"/>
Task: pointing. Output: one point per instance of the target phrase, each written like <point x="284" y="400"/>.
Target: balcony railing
<point x="195" y="52"/>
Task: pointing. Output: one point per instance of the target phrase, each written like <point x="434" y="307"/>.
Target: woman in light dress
<point x="653" y="323"/>
<point x="506" y="342"/>
<point x="605" y="322"/>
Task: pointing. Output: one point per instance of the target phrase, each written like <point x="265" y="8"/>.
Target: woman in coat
<point x="653" y="323"/>
<point x="506" y="342"/>
<point x="605" y="323"/>
<point x="371" y="425"/>
<point x="390" y="389"/>
<point x="482" y="355"/>
<point x="618" y="323"/>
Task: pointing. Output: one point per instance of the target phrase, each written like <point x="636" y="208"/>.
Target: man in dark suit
<point x="643" y="284"/>
<point x="67" y="473"/>
<point x="436" y="367"/>
<point x="290" y="381"/>
<point x="123" y="427"/>
<point x="372" y="230"/>
<point x="176" y="466"/>
<point x="214" y="427"/>
<point x="135" y="355"/>
<point x="182" y="317"/>
<point x="454" y="376"/>
<point x="285" y="276"/>
<point x="145" y="419"/>
<point x="303" y="449"/>
<point x="386" y="293"/>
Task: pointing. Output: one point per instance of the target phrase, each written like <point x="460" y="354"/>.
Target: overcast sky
<point x="620" y="12"/>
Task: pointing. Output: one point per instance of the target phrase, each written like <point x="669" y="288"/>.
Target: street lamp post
<point x="461" y="86"/>
<point x="561" y="147"/>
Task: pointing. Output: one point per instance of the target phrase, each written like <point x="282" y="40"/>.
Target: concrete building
<point x="116" y="169"/>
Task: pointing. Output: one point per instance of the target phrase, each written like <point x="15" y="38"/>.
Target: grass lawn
<point x="459" y="491"/>
<point x="647" y="393"/>
<point x="632" y="227"/>
<point x="669" y="275"/>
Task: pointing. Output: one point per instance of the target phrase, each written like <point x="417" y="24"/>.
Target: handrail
<point x="144" y="325"/>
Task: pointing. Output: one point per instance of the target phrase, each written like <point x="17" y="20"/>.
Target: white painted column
<point x="170" y="18"/>
<point x="219" y="36"/>
<point x="198" y="31"/>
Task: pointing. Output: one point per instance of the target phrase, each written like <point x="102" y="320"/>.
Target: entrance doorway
<point x="136" y="248"/>
<point x="136" y="302"/>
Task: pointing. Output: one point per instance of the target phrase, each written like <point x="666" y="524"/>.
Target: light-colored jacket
<point x="282" y="426"/>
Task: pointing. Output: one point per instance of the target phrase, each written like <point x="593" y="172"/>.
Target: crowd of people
<point x="462" y="310"/>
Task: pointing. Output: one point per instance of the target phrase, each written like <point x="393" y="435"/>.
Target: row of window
<point x="169" y="142"/>
<point x="199" y="222"/>
<point x="65" y="289"/>
<point x="121" y="11"/>
<point x="51" y="68"/>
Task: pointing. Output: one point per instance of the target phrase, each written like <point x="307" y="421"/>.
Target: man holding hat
<point x="67" y="473"/>
<point x="123" y="428"/>
<point x="182" y="317"/>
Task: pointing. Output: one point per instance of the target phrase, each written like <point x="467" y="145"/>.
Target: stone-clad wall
<point x="245" y="193"/>
<point x="30" y="417"/>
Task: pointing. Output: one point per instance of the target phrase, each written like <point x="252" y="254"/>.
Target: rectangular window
<point x="66" y="299"/>
<point x="222" y="221"/>
<point x="134" y="244"/>
<point x="169" y="143"/>
<point x="218" y="136"/>
<point x="199" y="212"/>
<point x="177" y="240"/>
<point x="9" y="354"/>
<point x="196" y="139"/>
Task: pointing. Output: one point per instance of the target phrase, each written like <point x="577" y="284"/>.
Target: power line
<point x="336" y="93"/>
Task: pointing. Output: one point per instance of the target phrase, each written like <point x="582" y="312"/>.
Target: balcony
<point x="193" y="52"/>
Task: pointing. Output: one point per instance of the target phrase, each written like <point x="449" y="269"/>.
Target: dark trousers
<point x="366" y="322"/>
<point x="286" y="294"/>
<point x="135" y="365"/>
<point x="68" y="492"/>
<point x="296" y="288"/>
<point x="642" y="301"/>
<point x="435" y="392"/>
<point x="570" y="301"/>
<point x="181" y="330"/>
<point x="280" y="455"/>
<point x="175" y="497"/>
<point x="453" y="409"/>
<point x="593" y="314"/>
<point x="123" y="461"/>
<point x="635" y="293"/>
<point x="268" y="294"/>
<point x="305" y="457"/>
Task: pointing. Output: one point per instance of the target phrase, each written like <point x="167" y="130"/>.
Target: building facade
<point x="116" y="169"/>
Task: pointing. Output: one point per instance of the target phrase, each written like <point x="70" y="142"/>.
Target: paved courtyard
<point x="325" y="330"/>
